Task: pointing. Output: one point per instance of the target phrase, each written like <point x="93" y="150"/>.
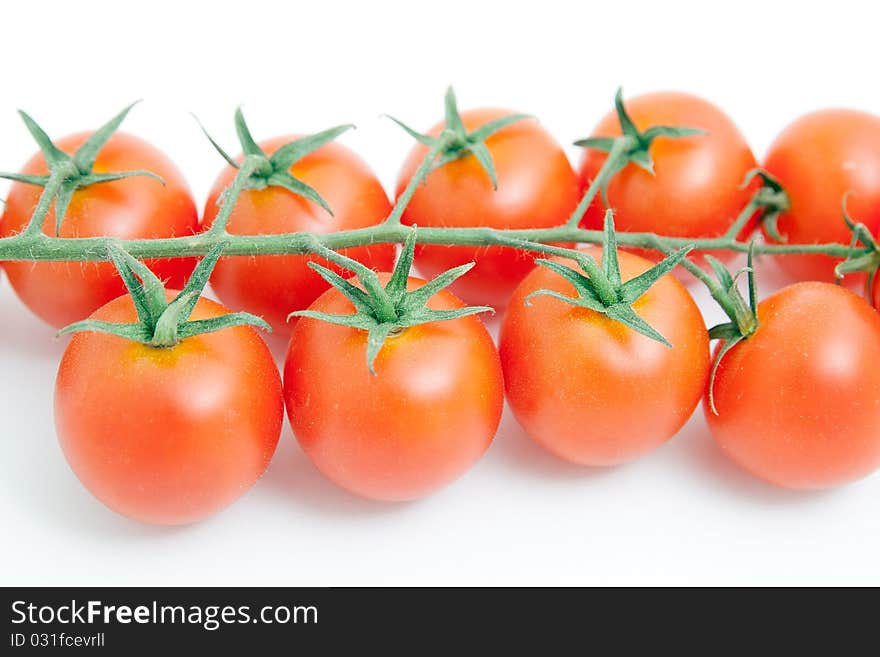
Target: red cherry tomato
<point x="537" y="188"/>
<point x="799" y="401"/>
<point x="696" y="187"/>
<point x="275" y="286"/>
<point x="427" y="415"/>
<point x="168" y="436"/>
<point x="818" y="159"/>
<point x="139" y="207"/>
<point x="876" y="295"/>
<point x="591" y="390"/>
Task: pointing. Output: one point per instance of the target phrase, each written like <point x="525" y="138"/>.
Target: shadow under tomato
<point x="514" y="448"/>
<point x="65" y="502"/>
<point x="294" y="480"/>
<point x="25" y="333"/>
<point x="91" y="517"/>
<point x="697" y="447"/>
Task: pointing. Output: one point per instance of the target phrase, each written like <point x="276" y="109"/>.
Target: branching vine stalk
<point x="258" y="170"/>
<point x="40" y="247"/>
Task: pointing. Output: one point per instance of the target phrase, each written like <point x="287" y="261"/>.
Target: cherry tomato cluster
<point x="170" y="431"/>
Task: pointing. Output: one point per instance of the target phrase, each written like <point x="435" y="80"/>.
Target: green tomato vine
<point x="381" y="312"/>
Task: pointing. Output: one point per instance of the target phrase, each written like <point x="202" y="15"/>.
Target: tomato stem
<point x="453" y="142"/>
<point x="68" y="173"/>
<point x="162" y="323"/>
<point x="446" y="138"/>
<point x="50" y="190"/>
<point x="743" y="218"/>
<point x="385" y="311"/>
<point x="23" y="247"/>
<point x="632" y="146"/>
<point x="616" y="159"/>
<point x="250" y="165"/>
<point x="259" y="170"/>
<point x="603" y="290"/>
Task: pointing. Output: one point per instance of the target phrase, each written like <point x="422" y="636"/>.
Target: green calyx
<point x="860" y="259"/>
<point x="162" y="323"/>
<point x="69" y="173"/>
<point x="632" y="146"/>
<point x="456" y="142"/>
<point x="386" y="311"/>
<point x="259" y="170"/>
<point x="603" y="290"/>
<point x="771" y="198"/>
<point x="743" y="314"/>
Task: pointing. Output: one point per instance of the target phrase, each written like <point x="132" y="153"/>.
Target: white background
<point x="681" y="515"/>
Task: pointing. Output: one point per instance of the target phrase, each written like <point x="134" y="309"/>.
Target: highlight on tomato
<point x="602" y="365"/>
<point x="795" y="392"/>
<point x="495" y="169"/>
<point x="393" y="387"/>
<point x="819" y="159"/>
<point x="682" y="183"/>
<point x="286" y="185"/>
<point x="104" y="183"/>
<point x="168" y="408"/>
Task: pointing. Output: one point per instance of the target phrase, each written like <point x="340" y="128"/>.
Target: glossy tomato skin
<point x="799" y="401"/>
<point x="275" y="286"/>
<point x="537" y="188"/>
<point x="818" y="159"/>
<point x="426" y="417"/>
<point x="696" y="187"/>
<point x="876" y="293"/>
<point x="591" y="390"/>
<point x="168" y="436"/>
<point x="64" y="292"/>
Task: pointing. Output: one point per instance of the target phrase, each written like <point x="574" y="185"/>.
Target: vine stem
<point x="717" y="292"/>
<point x="249" y="166"/>
<point x="50" y="191"/>
<point x="740" y="222"/>
<point x="40" y="247"/>
<point x="440" y="145"/>
<point x="33" y="245"/>
<point x="616" y="157"/>
<point x="384" y="308"/>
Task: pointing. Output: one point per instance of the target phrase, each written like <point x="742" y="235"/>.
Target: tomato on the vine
<point x="274" y="286"/>
<point x="798" y="401"/>
<point x="537" y="188"/>
<point x="591" y="390"/>
<point x="168" y="435"/>
<point x="819" y="159"/>
<point x="426" y="416"/>
<point x="696" y="189"/>
<point x="132" y="208"/>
